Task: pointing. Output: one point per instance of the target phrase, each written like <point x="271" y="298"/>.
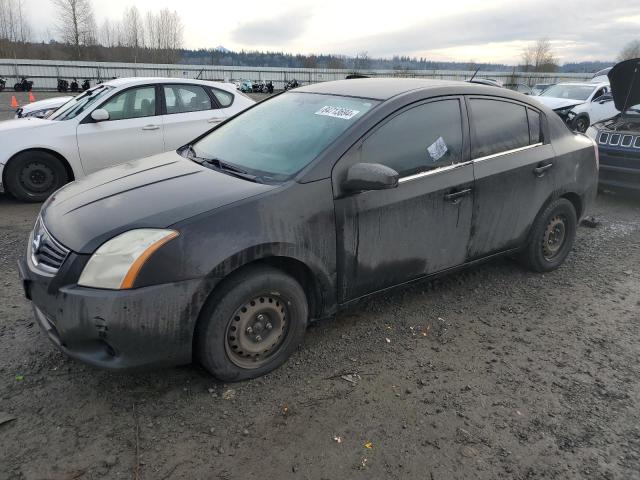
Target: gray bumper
<point x="151" y="326"/>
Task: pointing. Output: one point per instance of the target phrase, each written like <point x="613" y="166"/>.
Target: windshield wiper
<point x="219" y="164"/>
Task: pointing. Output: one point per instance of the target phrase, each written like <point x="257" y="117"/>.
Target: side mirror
<point x="100" y="115"/>
<point x="370" y="176"/>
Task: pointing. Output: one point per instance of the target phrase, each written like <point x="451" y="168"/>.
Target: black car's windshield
<point x="572" y="92"/>
<point x="278" y="138"/>
<point x="79" y="104"/>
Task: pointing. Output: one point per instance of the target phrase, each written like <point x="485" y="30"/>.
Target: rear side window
<point x="535" y="129"/>
<point x="225" y="99"/>
<point x="186" y="98"/>
<point x="499" y="126"/>
<point x="419" y="139"/>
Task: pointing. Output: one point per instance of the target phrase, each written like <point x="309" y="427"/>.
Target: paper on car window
<point x="437" y="149"/>
<point x="338" y="112"/>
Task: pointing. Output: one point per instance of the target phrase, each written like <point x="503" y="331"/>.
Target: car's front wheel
<point x="581" y="123"/>
<point x="551" y="237"/>
<point x="33" y="176"/>
<point x="252" y="324"/>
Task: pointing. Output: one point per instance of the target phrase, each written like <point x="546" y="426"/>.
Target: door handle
<point x="454" y="197"/>
<point x="541" y="170"/>
<point x="215" y="120"/>
<point x="150" y="127"/>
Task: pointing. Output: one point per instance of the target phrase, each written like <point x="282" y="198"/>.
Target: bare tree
<point x="539" y="57"/>
<point x="76" y="24"/>
<point x="630" y="50"/>
<point x="132" y="31"/>
<point x="164" y="32"/>
<point x="14" y="28"/>
<point x="362" y="60"/>
<point x="108" y="34"/>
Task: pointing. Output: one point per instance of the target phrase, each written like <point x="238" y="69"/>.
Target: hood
<point x="48" y="103"/>
<point x="624" y="78"/>
<point x="557" y="103"/>
<point x="154" y="192"/>
<point x="18" y="123"/>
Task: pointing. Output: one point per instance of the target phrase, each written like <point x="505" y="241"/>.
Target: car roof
<point x="376" y="88"/>
<point x="133" y="81"/>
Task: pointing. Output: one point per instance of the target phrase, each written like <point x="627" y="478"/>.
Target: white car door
<point x="190" y="111"/>
<point x="133" y="130"/>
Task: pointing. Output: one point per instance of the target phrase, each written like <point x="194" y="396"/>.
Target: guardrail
<point x="45" y="73"/>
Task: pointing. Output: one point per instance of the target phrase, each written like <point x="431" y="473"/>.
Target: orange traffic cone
<point x="14" y="102"/>
<point x="31" y="97"/>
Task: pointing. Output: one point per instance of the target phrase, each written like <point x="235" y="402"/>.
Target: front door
<point x="514" y="171"/>
<point x="388" y="237"/>
<point x="134" y="130"/>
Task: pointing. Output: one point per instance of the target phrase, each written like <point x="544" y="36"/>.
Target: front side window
<point x="186" y="98"/>
<point x="133" y="103"/>
<point x="422" y="138"/>
<point x="279" y="137"/>
<point x="499" y="127"/>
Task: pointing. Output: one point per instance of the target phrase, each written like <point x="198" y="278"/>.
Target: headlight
<point x="116" y="264"/>
<point x="592" y="133"/>
<point x="38" y="113"/>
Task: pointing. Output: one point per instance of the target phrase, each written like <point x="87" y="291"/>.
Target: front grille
<point x="46" y="253"/>
<point x="617" y="139"/>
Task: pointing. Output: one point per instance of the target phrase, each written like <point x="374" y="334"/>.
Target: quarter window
<point x="535" y="128"/>
<point x="225" y="99"/>
<point x="186" y="98"/>
<point x="419" y="139"/>
<point x="133" y="103"/>
<point x="499" y="126"/>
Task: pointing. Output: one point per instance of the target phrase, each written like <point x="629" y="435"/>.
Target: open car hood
<point x="625" y="83"/>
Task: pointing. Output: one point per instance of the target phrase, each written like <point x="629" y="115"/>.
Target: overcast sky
<point x="462" y="30"/>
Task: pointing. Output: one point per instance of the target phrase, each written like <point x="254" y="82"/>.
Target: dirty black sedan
<point x="224" y="250"/>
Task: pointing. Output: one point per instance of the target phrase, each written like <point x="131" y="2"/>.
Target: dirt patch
<point x="493" y="373"/>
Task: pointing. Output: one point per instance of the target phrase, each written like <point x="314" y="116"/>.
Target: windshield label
<point x="338" y="112"/>
<point x="437" y="149"/>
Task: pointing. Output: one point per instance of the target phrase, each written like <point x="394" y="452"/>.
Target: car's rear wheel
<point x="33" y="176"/>
<point x="552" y="236"/>
<point x="252" y="324"/>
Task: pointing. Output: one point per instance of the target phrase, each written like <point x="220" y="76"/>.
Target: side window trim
<point x="435" y="171"/>
<point x="472" y="132"/>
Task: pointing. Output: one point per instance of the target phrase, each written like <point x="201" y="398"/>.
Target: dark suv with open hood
<point x="295" y="208"/>
<point x="618" y="138"/>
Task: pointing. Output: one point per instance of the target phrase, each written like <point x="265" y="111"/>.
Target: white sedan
<point x="112" y="123"/>
<point x="580" y="104"/>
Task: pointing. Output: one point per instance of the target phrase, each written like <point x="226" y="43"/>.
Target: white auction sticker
<point x="338" y="112"/>
<point x="437" y="149"/>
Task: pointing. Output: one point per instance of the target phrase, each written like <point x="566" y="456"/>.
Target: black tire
<point x="552" y="236"/>
<point x="581" y="123"/>
<point x="33" y="176"/>
<point x="255" y="302"/>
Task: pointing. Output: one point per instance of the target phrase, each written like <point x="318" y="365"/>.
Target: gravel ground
<point x="495" y="372"/>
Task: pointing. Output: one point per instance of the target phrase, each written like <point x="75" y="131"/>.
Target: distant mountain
<point x="220" y="48"/>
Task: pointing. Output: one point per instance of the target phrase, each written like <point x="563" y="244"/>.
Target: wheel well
<point x="576" y="201"/>
<point x="63" y="160"/>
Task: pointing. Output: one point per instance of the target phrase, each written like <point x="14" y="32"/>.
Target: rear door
<point x="190" y="110"/>
<point x="388" y="237"/>
<point x="514" y="172"/>
<point x="134" y="130"/>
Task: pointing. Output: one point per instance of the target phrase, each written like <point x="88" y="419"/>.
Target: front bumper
<point x="150" y="326"/>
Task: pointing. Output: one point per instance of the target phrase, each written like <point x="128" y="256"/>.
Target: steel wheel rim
<point x="554" y="237"/>
<point x="37" y="177"/>
<point x="256" y="331"/>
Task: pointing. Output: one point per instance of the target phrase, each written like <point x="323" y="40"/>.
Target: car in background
<point x="41" y="108"/>
<point x="538" y="88"/>
<point x="601" y="75"/>
<point x="618" y="138"/>
<point x="519" y="87"/>
<point x="579" y="104"/>
<point x="112" y="123"/>
<point x="224" y="250"/>
<point x="246" y="86"/>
